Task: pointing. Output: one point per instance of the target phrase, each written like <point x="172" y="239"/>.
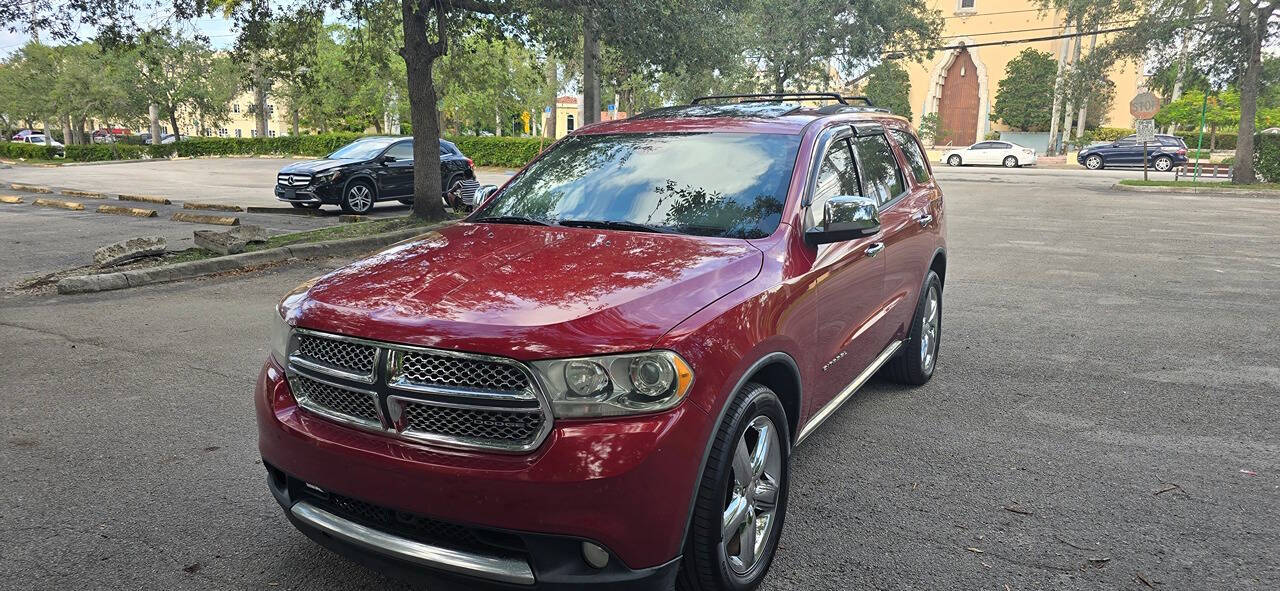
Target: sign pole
<point x="1144" y="161"/>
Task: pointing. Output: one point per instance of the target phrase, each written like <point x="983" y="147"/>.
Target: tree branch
<point x="480" y="6"/>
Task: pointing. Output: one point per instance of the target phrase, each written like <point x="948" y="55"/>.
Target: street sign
<point x="1144" y="106"/>
<point x="1146" y="130"/>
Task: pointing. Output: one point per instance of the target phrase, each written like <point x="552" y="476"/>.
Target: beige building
<point x="960" y="84"/>
<point x="241" y="122"/>
<point x="569" y="115"/>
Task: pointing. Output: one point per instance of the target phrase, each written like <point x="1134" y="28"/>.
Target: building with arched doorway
<point x="960" y="84"/>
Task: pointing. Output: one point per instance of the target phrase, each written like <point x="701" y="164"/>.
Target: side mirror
<point x="386" y="159"/>
<point x="846" y="217"/>
<point x="484" y="192"/>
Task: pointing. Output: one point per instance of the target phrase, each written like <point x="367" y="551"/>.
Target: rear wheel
<point x="358" y="197"/>
<point x="916" y="359"/>
<point x="1010" y="162"/>
<point x="1163" y="163"/>
<point x="954" y="160"/>
<point x="742" y="497"/>
<point x="1093" y="162"/>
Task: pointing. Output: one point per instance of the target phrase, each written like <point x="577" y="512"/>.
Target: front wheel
<point x="1163" y="164"/>
<point x="954" y="160"/>
<point x="1093" y="162"/>
<point x="916" y="359"/>
<point x="1010" y="162"/>
<point x="358" y="198"/>
<point x="742" y="497"/>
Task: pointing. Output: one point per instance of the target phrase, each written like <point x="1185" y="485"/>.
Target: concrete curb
<point x="210" y="206"/>
<point x="200" y="218"/>
<point x="285" y="210"/>
<point x="72" y="205"/>
<point x="83" y="194"/>
<point x="1264" y="194"/>
<point x="30" y="188"/>
<point x="10" y="199"/>
<point x="144" y="198"/>
<point x="190" y="269"/>
<point x="133" y="211"/>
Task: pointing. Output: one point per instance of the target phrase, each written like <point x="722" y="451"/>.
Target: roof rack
<point x="780" y="96"/>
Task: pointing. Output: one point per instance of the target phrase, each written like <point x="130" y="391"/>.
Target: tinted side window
<point x="836" y="176"/>
<point x="401" y="151"/>
<point x="881" y="178"/>
<point x="915" y="156"/>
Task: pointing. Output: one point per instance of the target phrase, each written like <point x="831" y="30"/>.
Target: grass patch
<point x="1201" y="185"/>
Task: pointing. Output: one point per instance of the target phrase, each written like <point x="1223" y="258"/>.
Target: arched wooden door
<point x="958" y="106"/>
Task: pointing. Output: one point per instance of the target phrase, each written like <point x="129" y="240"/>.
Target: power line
<point x="957" y="36"/>
<point x="1005" y="42"/>
<point x="992" y="13"/>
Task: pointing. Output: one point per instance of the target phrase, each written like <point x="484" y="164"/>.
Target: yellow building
<point x="569" y="115"/>
<point x="960" y="84"/>
<point x="241" y="121"/>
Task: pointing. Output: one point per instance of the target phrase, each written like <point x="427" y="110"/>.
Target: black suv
<point x="373" y="169"/>
<point x="1163" y="154"/>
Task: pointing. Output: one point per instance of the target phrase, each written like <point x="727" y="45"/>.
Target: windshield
<point x="708" y="184"/>
<point x="360" y="149"/>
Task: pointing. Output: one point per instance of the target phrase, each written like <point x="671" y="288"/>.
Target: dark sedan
<point x="1163" y="154"/>
<point x="373" y="169"/>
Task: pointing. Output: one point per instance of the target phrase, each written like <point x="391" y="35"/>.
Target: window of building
<point x="271" y="133"/>
<point x="915" y="156"/>
<point x="253" y="132"/>
<point x="966" y="5"/>
<point x="569" y="123"/>
<point x="881" y="178"/>
<point x="235" y="107"/>
<point x="222" y="132"/>
<point x="271" y="109"/>
<point x="237" y="132"/>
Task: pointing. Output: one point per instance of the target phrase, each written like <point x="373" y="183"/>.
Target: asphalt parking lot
<point x="1104" y="416"/>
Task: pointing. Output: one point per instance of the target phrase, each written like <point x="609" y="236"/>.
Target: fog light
<point x="595" y="556"/>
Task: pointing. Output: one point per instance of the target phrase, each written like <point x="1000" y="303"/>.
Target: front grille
<point x="467" y="191"/>
<point x="342" y="401"/>
<point x="439" y="370"/>
<point x="426" y="395"/>
<point x="515" y="426"/>
<point x="344" y="355"/>
<point x="293" y="179"/>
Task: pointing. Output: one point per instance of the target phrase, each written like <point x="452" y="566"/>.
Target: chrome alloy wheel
<point x="359" y="197"/>
<point x="1093" y="162"/>
<point x="929" y="323"/>
<point x="752" y="500"/>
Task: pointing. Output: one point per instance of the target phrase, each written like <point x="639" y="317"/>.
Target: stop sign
<point x="1144" y="106"/>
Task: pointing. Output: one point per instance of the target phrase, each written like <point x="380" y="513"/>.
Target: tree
<point x="889" y="85"/>
<point x="1024" y="97"/>
<point x="177" y="75"/>
<point x="486" y="82"/>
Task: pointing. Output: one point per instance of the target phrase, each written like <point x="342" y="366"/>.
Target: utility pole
<point x="1066" y="113"/>
<point x="1084" y="102"/>
<point x="1057" y="95"/>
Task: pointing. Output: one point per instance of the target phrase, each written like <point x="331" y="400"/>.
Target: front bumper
<point x="325" y="193"/>
<point x="624" y="484"/>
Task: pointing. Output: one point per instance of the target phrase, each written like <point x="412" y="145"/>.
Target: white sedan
<point x="38" y="139"/>
<point x="991" y="152"/>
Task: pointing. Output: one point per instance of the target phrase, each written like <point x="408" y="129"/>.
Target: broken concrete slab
<point x="249" y="233"/>
<point x="127" y="250"/>
<point x="220" y="242"/>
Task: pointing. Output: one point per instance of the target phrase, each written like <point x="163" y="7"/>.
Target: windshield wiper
<point x="510" y="219"/>
<point x="614" y="225"/>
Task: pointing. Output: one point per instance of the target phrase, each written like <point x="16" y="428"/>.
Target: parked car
<point x="991" y="152"/>
<point x="109" y="135"/>
<point x="39" y="140"/>
<point x="167" y="138"/>
<point x="373" y="169"/>
<point x="596" y="380"/>
<point x="1163" y="154"/>
<point x="23" y="133"/>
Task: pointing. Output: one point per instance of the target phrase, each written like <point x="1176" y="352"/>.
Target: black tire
<point x="1094" y="162"/>
<point x="954" y="160"/>
<point x="910" y="366"/>
<point x="1010" y="162"/>
<point x="1163" y="163"/>
<point x="705" y="565"/>
<point x="358" y="197"/>
<point x="305" y="205"/>
<point x="445" y="186"/>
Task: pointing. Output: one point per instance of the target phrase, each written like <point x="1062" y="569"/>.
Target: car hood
<point x="314" y="166"/>
<point x="527" y="292"/>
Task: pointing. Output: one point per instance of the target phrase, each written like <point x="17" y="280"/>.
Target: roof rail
<point x="779" y="96"/>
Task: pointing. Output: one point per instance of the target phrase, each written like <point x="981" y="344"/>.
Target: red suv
<point x="597" y="379"/>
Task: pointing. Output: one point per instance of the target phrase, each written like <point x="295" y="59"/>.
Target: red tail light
<point x="470" y="164"/>
<point x="1182" y="151"/>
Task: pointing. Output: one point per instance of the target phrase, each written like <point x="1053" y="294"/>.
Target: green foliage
<point x="889" y="85"/>
<point x="26" y="151"/>
<point x="1224" y="141"/>
<point x="928" y="129"/>
<point x="1024" y="98"/>
<point x="286" y="145"/>
<point x="992" y="135"/>
<point x="1266" y="157"/>
<point x="104" y="152"/>
<point x="499" y="151"/>
<point x="484" y="84"/>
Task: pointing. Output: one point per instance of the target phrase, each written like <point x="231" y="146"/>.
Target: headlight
<point x="613" y="385"/>
<point x="280" y="332"/>
<point x="325" y="177"/>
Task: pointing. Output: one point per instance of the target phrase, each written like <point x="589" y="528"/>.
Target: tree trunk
<point x="1213" y="136"/>
<point x="419" y="54"/>
<point x="1242" y="171"/>
<point x="66" y="130"/>
<point x="260" y="97"/>
<point x="153" y="112"/>
<point x="173" y="120"/>
<point x="1084" y="99"/>
<point x="553" y="82"/>
<point x="1057" y="97"/>
<point x="590" y="69"/>
<point x="497" y="121"/>
<point x="48" y="133"/>
<point x="294" y="126"/>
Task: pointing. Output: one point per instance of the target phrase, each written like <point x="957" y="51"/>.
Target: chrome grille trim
<point x="345" y="362"/>
<point x="495" y="412"/>
<point x="293" y="179"/>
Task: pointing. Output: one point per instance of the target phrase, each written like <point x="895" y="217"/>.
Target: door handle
<point x="874" y="249"/>
<point x="925" y="219"/>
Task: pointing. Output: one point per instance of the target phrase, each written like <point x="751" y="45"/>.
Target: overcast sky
<point x="219" y="31"/>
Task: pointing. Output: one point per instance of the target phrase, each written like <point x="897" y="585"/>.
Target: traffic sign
<point x="1144" y="106"/>
<point x="1146" y="130"/>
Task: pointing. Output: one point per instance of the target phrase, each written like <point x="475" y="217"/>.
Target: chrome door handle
<point x="925" y="219"/>
<point x="874" y="249"/>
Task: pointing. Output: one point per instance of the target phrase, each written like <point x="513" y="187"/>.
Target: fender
<point x="776" y="356"/>
<point x="361" y="175"/>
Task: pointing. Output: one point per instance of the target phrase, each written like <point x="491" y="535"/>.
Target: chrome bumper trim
<point x="493" y="568"/>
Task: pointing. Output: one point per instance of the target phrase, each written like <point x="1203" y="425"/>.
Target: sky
<point x="219" y="30"/>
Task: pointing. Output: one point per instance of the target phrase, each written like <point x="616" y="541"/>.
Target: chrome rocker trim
<point x="826" y="411"/>
<point x="493" y="568"/>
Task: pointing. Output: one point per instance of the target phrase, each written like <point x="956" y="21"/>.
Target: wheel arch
<point x="938" y="264"/>
<point x="364" y="178"/>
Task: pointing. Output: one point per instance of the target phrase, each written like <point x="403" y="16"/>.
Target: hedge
<point x="499" y="151"/>
<point x="102" y="152"/>
<point x="1226" y="141"/>
<point x="1266" y="156"/>
<point x="27" y="151"/>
